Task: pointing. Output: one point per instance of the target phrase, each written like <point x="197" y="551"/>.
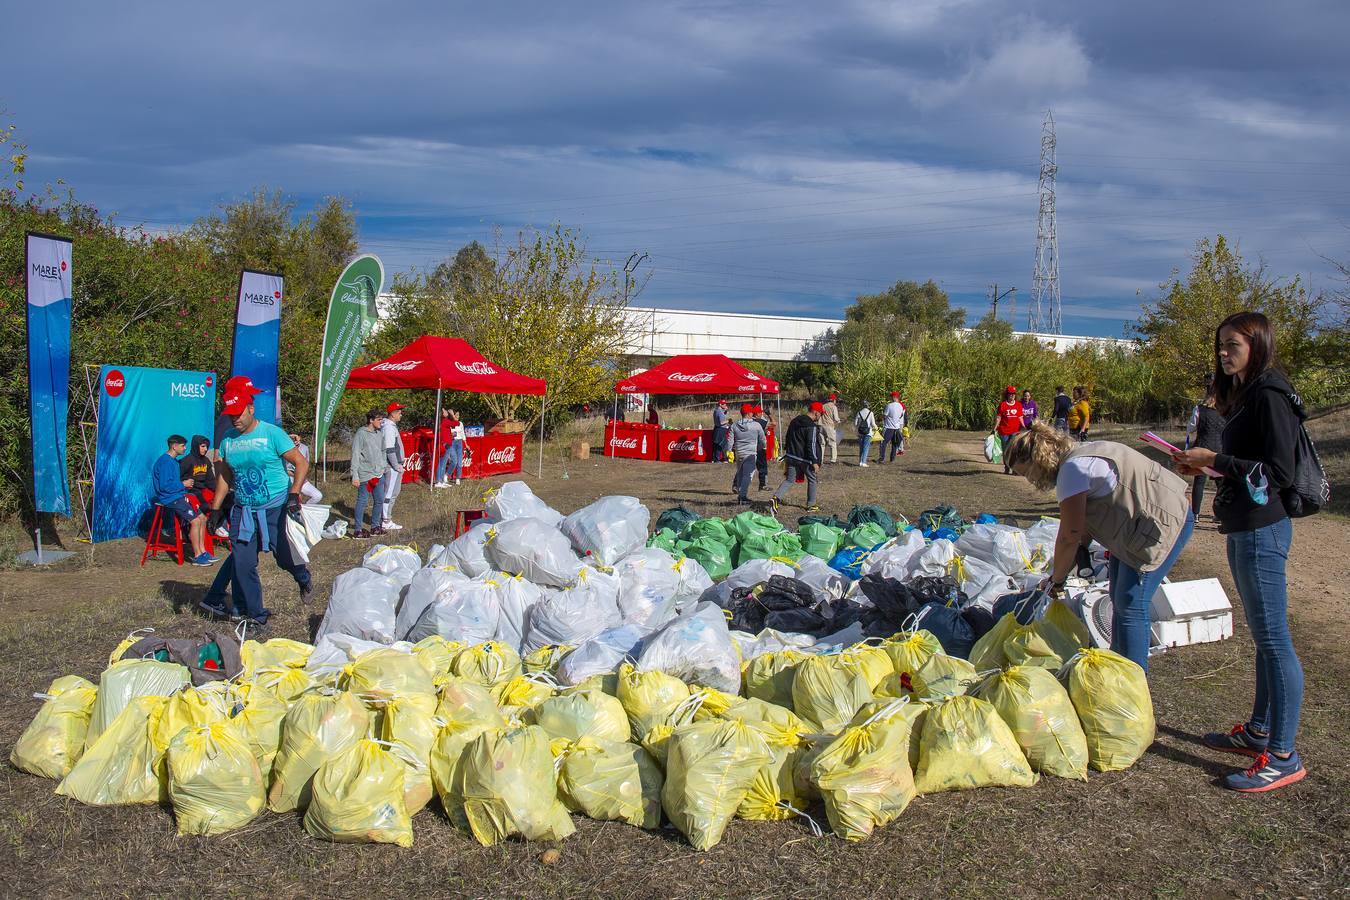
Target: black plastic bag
<point x="931" y="520"/>
<point x="949" y="627"/>
<point x="676" y="519"/>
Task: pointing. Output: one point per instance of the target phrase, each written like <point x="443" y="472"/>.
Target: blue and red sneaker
<point x="1239" y="740"/>
<point x="1266" y="774"/>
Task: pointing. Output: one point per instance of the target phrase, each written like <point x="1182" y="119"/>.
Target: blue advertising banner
<point x="138" y="409"/>
<point x="47" y="266"/>
<point x="257" y="338"/>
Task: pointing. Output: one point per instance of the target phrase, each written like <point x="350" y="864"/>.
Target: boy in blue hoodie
<point x="171" y="493"/>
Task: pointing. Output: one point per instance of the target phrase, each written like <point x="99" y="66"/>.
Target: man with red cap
<point x="721" y="432"/>
<point x="893" y="428"/>
<point x="802" y="454"/>
<point x="394" y="458"/>
<point x="253" y="464"/>
<point x="747" y="441"/>
<point x="829" y="426"/>
<point x="1008" y="421"/>
<point x="762" y="460"/>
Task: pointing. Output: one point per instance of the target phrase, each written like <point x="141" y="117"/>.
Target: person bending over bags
<point x="1132" y="506"/>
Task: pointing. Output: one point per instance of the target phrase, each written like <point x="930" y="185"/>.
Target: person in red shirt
<point x="1009" y="422"/>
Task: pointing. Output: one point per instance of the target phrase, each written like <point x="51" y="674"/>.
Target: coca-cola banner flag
<point x="47" y="266"/>
<point x="351" y="316"/>
<point x="257" y="338"/>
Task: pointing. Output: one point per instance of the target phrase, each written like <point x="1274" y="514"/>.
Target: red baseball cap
<point x="1010" y="389"/>
<point x="817" y="407"/>
<point x="721" y="403"/>
<point x="834" y="396"/>
<point x="239" y="394"/>
<point x="759" y="409"/>
<point x="747" y="409"/>
<point x="895" y="394"/>
<point x="394" y="405"/>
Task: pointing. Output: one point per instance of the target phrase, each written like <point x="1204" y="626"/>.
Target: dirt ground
<point x="1163" y="827"/>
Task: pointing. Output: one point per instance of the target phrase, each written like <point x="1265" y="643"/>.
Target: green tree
<point x="897" y="316"/>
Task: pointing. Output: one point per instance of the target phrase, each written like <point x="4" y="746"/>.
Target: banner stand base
<point x="45" y="558"/>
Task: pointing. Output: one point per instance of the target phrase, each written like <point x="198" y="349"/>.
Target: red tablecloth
<point x="632" y="440"/>
<point x="685" y="445"/>
<point x="491" y="454"/>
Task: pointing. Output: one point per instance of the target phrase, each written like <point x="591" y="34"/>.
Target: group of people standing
<point x="1071" y="416"/>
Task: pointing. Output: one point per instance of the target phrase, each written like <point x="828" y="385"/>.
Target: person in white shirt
<point x="865" y="422"/>
<point x="307" y="490"/>
<point x="893" y="424"/>
<point x="394" y="458"/>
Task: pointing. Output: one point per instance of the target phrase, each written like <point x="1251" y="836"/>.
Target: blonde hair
<point x="1041" y="449"/>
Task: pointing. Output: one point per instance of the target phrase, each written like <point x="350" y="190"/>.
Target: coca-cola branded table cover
<point x="632" y="440"/>
<point x="685" y="444"/>
<point x="491" y="454"/>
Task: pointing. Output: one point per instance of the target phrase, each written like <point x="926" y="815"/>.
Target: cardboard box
<point x="581" y="450"/>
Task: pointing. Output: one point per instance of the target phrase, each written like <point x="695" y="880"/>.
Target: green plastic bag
<point x="714" y="557"/>
<point x="711" y="527"/>
<point x="745" y="524"/>
<point x="871" y="513"/>
<point x="677" y="518"/>
<point x="819" y="539"/>
<point x="815" y="519"/>
<point x="664" y="539"/>
<point x="866" y="535"/>
<point x="758" y="545"/>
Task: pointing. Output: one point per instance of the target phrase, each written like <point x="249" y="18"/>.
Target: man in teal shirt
<point x="255" y="456"/>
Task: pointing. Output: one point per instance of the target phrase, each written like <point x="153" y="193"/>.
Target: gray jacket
<point x="747" y="437"/>
<point x="368" y="460"/>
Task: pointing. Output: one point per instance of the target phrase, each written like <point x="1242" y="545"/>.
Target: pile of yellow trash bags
<point x="507" y="752"/>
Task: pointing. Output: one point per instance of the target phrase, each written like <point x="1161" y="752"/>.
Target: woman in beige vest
<point x="1132" y="506"/>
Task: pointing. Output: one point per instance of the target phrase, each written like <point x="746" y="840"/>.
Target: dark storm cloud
<point x="769" y="156"/>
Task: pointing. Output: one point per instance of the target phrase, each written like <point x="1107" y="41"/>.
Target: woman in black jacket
<point x="1256" y="460"/>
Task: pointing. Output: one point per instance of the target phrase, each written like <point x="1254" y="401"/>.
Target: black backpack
<point x="1310" y="491"/>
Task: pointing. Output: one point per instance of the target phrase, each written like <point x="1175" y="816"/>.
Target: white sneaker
<point x="441" y="484"/>
<point x="391" y="525"/>
<point x="456" y="482"/>
<point x="862" y="465"/>
<point x="222" y="532"/>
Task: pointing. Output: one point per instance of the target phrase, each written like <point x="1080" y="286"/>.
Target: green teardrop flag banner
<point x="351" y="316"/>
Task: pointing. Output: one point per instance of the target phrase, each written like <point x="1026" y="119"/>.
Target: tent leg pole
<point x="435" y="443"/>
<point x="543" y="407"/>
<point x="614" y="418"/>
<point x="778" y="451"/>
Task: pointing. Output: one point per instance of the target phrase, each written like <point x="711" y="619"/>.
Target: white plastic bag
<point x="394" y="560"/>
<point x="694" y="581"/>
<point x="993" y="449"/>
<point x="515" y="598"/>
<point x="333" y="651"/>
<point x="466" y="551"/>
<point x="303" y="535"/>
<point x="364" y="604"/>
<point x="1002" y="546"/>
<point x="533" y="549"/>
<point x="572" y="616"/>
<point x="430" y="584"/>
<point x="602" y="654"/>
<point x="1041" y="542"/>
<point x="824" y="582"/>
<point x="769" y="641"/>
<point x="982" y="582"/>
<point x="466" y="611"/>
<point x="515" y="500"/>
<point x="608" y="529"/>
<point x="934" y="561"/>
<point x="695" y="647"/>
<point x="648" y="584"/>
<point x="336" y="530"/>
<point x="892" y="561"/>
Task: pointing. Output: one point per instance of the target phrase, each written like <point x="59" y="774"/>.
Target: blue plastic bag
<point x="986" y="519"/>
<point x="848" y="562"/>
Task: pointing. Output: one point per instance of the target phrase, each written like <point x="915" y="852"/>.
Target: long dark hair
<point x="1256" y="328"/>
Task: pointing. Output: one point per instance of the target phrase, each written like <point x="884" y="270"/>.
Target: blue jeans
<point x="452" y="461"/>
<point x="891" y="437"/>
<point x="239" y="572"/>
<point x="864" y="447"/>
<point x="363" y="494"/>
<point x="1132" y="599"/>
<point x="1258" y="560"/>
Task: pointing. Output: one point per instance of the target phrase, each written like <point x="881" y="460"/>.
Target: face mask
<point x="1257" y="486"/>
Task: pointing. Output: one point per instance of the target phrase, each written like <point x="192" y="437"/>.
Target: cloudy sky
<point x="772" y="157"/>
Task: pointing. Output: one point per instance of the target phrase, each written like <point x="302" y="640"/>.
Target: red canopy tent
<point x="447" y="364"/>
<point x="696" y="373"/>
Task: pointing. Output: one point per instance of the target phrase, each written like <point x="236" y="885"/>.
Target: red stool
<point x="466" y="517"/>
<point x="209" y="540"/>
<point x="155" y="542"/>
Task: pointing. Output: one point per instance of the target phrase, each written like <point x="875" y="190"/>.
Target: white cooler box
<point x="1191" y="612"/>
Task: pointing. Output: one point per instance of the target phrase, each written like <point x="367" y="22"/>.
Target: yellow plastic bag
<point x="773" y="794"/>
<point x="827" y="692"/>
<point x="872" y="661"/>
<point x="459" y="700"/>
<point x="124" y="681"/>
<point x="52" y="743"/>
<point x="611" y="781"/>
<point x="522" y="692"/>
<point x="126" y="643"/>
<point x="649" y="697"/>
<point x="657" y="742"/>
<point x="215" y="784"/>
<point x="988" y="650"/>
<point x="379" y="676"/>
<point x="321" y="724"/>
<point x="277" y="653"/>
<point x="358" y="798"/>
<point x="122" y="766"/>
<point x="605" y="682"/>
<point x="194" y="706"/>
<point x="709" y="769"/>
<point x="582" y="714"/>
<point x="1072" y="627"/>
<point x="966" y="744"/>
<point x="411" y="725"/>
<point x="284" y="683"/>
<point x="910" y="709"/>
<point x="910" y="649"/>
<point x="259" y="722"/>
<point x="703" y="703"/>
<point x="436" y="654"/>
<point x="769" y="676"/>
<point x="546" y="658"/>
<point x="943" y="676"/>
<point x="1042" y="718"/>
<point x="1110" y="694"/>
<point x="510" y="787"/>
<point x="1038" y="644"/>
<point x="463" y="723"/>
<point x="490" y="663"/>
<point x="864" y="775"/>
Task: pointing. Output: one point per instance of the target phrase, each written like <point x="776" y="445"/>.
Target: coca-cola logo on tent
<point x="693" y="377"/>
<point x="478" y="368"/>
<point x="396" y="366"/>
